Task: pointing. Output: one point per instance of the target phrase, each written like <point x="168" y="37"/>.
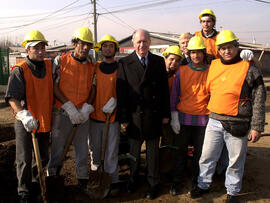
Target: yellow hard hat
<point x="96" y="47"/>
<point x="34" y="35"/>
<point x="196" y="43"/>
<point x="225" y="36"/>
<point x="173" y="50"/>
<point x="84" y="34"/>
<point x="108" y="38"/>
<point x="207" y="11"/>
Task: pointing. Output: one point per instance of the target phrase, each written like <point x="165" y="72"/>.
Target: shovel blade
<point x="55" y="188"/>
<point x="99" y="188"/>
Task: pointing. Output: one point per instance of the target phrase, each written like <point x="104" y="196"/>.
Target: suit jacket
<point x="143" y="95"/>
<point x="185" y="61"/>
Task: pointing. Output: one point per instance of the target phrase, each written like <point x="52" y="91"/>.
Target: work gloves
<point x="175" y="122"/>
<point x="28" y="121"/>
<point x="246" y="55"/>
<point x="86" y="110"/>
<point x="74" y="115"/>
<point x="110" y="105"/>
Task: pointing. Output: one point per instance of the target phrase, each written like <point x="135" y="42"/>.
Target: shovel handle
<point x="70" y="139"/>
<point x="39" y="165"/>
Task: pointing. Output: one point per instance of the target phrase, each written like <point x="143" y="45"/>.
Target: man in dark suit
<point x="143" y="105"/>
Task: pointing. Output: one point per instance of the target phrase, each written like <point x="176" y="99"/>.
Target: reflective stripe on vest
<point x="106" y="88"/>
<point x="210" y="44"/>
<point x="225" y="83"/>
<point x="75" y="80"/>
<point x="194" y="97"/>
<point x="39" y="95"/>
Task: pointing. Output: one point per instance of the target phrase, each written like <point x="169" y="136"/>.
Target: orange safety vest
<point x="224" y="83"/>
<point x="170" y="82"/>
<point x="75" y="80"/>
<point x="194" y="97"/>
<point x="39" y="95"/>
<point x="210" y="44"/>
<point x="106" y="88"/>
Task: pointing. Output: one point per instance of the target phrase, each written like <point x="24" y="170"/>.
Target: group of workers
<point x="203" y="92"/>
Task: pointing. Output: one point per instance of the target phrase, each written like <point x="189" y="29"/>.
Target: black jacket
<point x="143" y="95"/>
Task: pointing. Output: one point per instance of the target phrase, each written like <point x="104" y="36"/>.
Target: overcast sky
<point x="57" y="19"/>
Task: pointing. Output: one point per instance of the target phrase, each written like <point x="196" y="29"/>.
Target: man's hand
<point x="110" y="105"/>
<point x="28" y="121"/>
<point x="175" y="122"/>
<point x="74" y="115"/>
<point x="86" y="110"/>
<point x="246" y="55"/>
<point x="254" y="136"/>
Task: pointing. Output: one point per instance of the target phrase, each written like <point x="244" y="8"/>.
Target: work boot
<point x="175" y="189"/>
<point x="197" y="192"/>
<point x="232" y="199"/>
<point x="25" y="198"/>
<point x="83" y="185"/>
<point x="114" y="190"/>
<point x="152" y="192"/>
<point x="131" y="186"/>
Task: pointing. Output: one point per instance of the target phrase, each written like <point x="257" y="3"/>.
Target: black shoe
<point x="232" y="199"/>
<point x="131" y="187"/>
<point x="152" y="193"/>
<point x="83" y="185"/>
<point x="24" y="199"/>
<point x="175" y="189"/>
<point x="114" y="190"/>
<point x="197" y="192"/>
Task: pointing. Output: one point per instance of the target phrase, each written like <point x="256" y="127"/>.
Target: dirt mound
<point x="8" y="183"/>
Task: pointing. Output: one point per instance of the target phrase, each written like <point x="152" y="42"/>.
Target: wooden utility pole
<point x="95" y="24"/>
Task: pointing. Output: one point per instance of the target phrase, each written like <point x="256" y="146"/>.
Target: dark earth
<point x="256" y="181"/>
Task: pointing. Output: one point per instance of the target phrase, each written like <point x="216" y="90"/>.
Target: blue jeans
<point x="215" y="138"/>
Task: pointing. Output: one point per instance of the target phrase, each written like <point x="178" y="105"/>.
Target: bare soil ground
<point x="256" y="181"/>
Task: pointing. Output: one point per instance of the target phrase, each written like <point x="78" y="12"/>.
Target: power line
<point x="266" y="2"/>
<point x="108" y="12"/>
<point x="141" y="6"/>
<point x="58" y="26"/>
<point x="40" y="14"/>
<point x="24" y="25"/>
<point x="131" y="4"/>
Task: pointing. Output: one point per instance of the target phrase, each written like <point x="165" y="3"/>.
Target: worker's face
<point x="207" y="23"/>
<point x="81" y="49"/>
<point x="184" y="44"/>
<point x="228" y="51"/>
<point x="141" y="42"/>
<point x="197" y="57"/>
<point x="172" y="62"/>
<point x="36" y="53"/>
<point x="108" y="49"/>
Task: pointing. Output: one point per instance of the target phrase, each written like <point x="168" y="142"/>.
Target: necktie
<point x="143" y="62"/>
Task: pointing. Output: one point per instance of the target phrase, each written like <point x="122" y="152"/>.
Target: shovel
<point x="55" y="184"/>
<point x="70" y="139"/>
<point x="41" y="174"/>
<point x="104" y="179"/>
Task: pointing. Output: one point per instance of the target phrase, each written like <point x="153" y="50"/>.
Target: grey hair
<point x="147" y="33"/>
<point x="185" y="35"/>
